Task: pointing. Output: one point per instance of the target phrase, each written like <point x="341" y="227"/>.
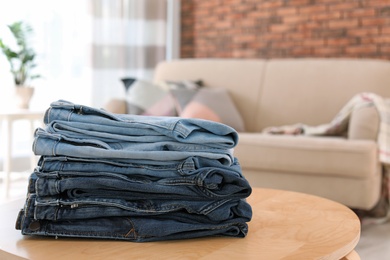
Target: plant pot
<point x="23" y="96"/>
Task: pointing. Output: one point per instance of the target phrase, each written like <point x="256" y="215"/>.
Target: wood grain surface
<point x="285" y="225"/>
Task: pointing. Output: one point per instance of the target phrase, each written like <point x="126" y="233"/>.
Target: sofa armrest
<point x="364" y="124"/>
<point x="116" y="105"/>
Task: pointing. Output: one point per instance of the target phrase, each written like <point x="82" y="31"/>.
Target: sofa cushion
<point x="116" y="105"/>
<point x="307" y="155"/>
<point x="243" y="79"/>
<point x="209" y="104"/>
<point x="154" y="98"/>
<point x="147" y="98"/>
<point x="364" y="123"/>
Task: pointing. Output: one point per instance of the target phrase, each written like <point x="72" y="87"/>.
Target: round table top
<point x="285" y="225"/>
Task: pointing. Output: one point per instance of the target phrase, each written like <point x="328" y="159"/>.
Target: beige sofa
<point x="310" y="91"/>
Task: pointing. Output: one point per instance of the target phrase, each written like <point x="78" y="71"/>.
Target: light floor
<point x="374" y="242"/>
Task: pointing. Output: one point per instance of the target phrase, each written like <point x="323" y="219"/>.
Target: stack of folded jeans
<point x="135" y="178"/>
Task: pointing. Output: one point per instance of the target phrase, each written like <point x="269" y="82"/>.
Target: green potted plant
<point x="21" y="62"/>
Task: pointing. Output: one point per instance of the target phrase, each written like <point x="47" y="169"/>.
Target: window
<point x="69" y="39"/>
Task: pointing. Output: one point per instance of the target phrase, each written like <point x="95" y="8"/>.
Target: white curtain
<point x="129" y="39"/>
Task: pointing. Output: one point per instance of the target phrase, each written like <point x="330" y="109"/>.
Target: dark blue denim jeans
<point x="166" y="169"/>
<point x="136" y="229"/>
<point x="205" y="183"/>
<point x="63" y="208"/>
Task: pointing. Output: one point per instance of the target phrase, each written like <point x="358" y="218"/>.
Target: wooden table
<point x="285" y="225"/>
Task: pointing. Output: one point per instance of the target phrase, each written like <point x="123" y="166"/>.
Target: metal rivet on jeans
<point x="34" y="226"/>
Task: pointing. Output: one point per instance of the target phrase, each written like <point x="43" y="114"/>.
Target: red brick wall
<point x="285" y="28"/>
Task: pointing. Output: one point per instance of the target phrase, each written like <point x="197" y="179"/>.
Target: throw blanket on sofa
<point x="339" y="126"/>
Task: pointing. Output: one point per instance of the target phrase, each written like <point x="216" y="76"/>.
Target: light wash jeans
<point x="95" y="122"/>
<point x="50" y="144"/>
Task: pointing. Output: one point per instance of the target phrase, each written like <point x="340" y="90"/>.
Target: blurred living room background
<point x="84" y="47"/>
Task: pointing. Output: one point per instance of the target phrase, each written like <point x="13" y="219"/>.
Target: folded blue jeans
<point x="135" y="229"/>
<point x="49" y="144"/>
<point x="134" y="178"/>
<point x="183" y="130"/>
<point x="204" y="184"/>
<point x="188" y="166"/>
<point x="212" y="212"/>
